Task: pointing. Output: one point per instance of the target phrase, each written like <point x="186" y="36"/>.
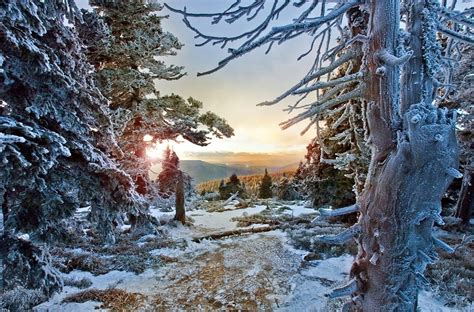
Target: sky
<point x="234" y="91"/>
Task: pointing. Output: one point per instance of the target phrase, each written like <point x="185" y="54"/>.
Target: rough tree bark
<point x="410" y="168"/>
<point x="413" y="144"/>
<point x="180" y="209"/>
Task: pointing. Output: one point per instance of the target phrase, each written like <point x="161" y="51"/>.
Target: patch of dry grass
<point x="126" y="255"/>
<point x="452" y="276"/>
<point x="259" y="219"/>
<point x="113" y="299"/>
<point x="217" y="285"/>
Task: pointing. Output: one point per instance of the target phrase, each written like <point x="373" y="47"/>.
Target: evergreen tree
<point x="234" y="180"/>
<point x="321" y="182"/>
<point x="127" y="62"/>
<point x="231" y="187"/>
<point x="55" y="141"/>
<point x="287" y="189"/>
<point x="462" y="99"/>
<point x="55" y="133"/>
<point x="169" y="174"/>
<point x="337" y="159"/>
<point x="265" y="190"/>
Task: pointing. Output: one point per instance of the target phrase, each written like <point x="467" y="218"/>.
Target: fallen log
<point x="236" y="232"/>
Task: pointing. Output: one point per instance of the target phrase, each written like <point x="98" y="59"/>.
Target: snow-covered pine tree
<point x="461" y="98"/>
<point x="169" y="174"/>
<point x="234" y="185"/>
<point x="265" y="189"/>
<point x="286" y="188"/>
<point x="128" y="58"/>
<point x="55" y="132"/>
<point x="319" y="181"/>
<point x="337" y="159"/>
<point x="398" y="80"/>
<point x="55" y="138"/>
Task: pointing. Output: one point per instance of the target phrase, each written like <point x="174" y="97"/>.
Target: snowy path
<point x="258" y="272"/>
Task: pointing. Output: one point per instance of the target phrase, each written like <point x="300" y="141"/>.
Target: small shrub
<point x="21" y="299"/>
<point x="80" y="283"/>
<point x="87" y="262"/>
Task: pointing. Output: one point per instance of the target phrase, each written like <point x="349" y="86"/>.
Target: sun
<point x="155" y="151"/>
<point x="147" y="138"/>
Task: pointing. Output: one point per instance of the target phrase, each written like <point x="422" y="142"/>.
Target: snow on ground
<point x="214" y="220"/>
<point x="83" y="210"/>
<point x="256" y="272"/>
<point x="68" y="307"/>
<point x="332" y="269"/>
<point x="98" y="282"/>
<point x="429" y="303"/>
<point x="222" y="220"/>
<point x="297" y="210"/>
<point x="315" y="281"/>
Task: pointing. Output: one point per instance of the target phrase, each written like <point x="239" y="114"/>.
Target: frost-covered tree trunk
<point x="414" y="154"/>
<point x="410" y="169"/>
<point x="180" y="209"/>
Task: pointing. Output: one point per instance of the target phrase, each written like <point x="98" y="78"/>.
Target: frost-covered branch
<point x="442" y="245"/>
<point x="331" y="83"/>
<point x="324" y="212"/>
<point x="319" y="73"/>
<point x="393" y="60"/>
<point x="458" y="17"/>
<point x="343" y="237"/>
<point x="256" y="39"/>
<point x="318" y="107"/>
<point x="345" y="290"/>
<point x="456" y="35"/>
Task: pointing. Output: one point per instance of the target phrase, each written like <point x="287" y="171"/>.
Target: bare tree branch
<point x="325" y="70"/>
<point x="319" y="107"/>
<point x="277" y="33"/>
<point x="456" y="35"/>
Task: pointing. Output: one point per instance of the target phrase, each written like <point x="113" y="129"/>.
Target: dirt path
<point x="245" y="273"/>
<point x="253" y="272"/>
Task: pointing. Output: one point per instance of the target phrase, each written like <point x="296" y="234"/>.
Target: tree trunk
<point x="464" y="206"/>
<point x="4" y="210"/>
<point x="413" y="161"/>
<point x="180" y="209"/>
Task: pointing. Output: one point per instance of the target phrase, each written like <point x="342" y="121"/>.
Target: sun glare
<point x="148" y="138"/>
<point x="155" y="151"/>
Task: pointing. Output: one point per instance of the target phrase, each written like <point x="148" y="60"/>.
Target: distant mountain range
<point x="202" y="171"/>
